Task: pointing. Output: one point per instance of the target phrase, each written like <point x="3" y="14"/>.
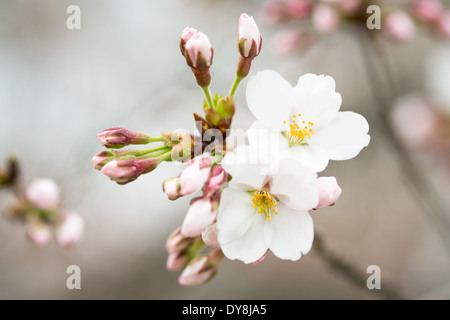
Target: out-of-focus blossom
<point x="414" y="121"/>
<point x="325" y="19"/>
<point x="70" y="230"/>
<point x="427" y="10"/>
<point x="286" y="40"/>
<point x="399" y="26"/>
<point x="39" y="232"/>
<point x="43" y="193"/>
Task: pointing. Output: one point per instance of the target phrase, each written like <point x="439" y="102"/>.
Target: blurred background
<point x="60" y="87"/>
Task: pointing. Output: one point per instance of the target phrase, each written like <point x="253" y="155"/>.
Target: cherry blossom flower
<point x="258" y="212"/>
<point x="303" y="122"/>
<point x="43" y="193"/>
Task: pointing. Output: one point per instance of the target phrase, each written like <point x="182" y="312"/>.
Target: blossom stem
<point x="237" y="80"/>
<point x="208" y="97"/>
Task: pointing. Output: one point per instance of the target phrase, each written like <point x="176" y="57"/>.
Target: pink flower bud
<point x="443" y="24"/>
<point x="102" y="158"/>
<point x="43" y="193"/>
<point x="188" y="32"/>
<point x="177" y="260"/>
<point x="70" y="230"/>
<point x="249" y="37"/>
<point x="199" y="52"/>
<point x="120" y="137"/>
<point x="399" y="26"/>
<point x="329" y="191"/>
<point x="178" y="242"/>
<point x="171" y="187"/>
<point x="209" y="236"/>
<point x="325" y="19"/>
<point x="39" y="232"/>
<point x="201" y="269"/>
<point x="428" y="10"/>
<point x="217" y="178"/>
<point x="194" y="175"/>
<point x="198" y="217"/>
<point x="124" y="171"/>
<point x="298" y="9"/>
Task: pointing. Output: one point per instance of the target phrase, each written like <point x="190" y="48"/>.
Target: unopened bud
<point x="177" y="260"/>
<point x="117" y="138"/>
<point x="194" y="175"/>
<point x="199" y="56"/>
<point x="250" y="40"/>
<point x="209" y="236"/>
<point x="178" y="242"/>
<point x="188" y="32"/>
<point x="127" y="170"/>
<point x="102" y="158"/>
<point x="329" y="191"/>
<point x="217" y="178"/>
<point x="199" y="216"/>
<point x="201" y="269"/>
<point x="171" y="187"/>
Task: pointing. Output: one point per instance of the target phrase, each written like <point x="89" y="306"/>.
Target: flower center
<point x="264" y="202"/>
<point x="299" y="132"/>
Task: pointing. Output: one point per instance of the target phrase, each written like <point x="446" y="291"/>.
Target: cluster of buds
<point x="199" y="226"/>
<point x="124" y="166"/>
<point x="325" y="16"/>
<point x="196" y="48"/>
<point x="38" y="206"/>
<point x="202" y="169"/>
<point x="184" y="254"/>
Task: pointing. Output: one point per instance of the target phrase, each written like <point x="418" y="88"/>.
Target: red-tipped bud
<point x="117" y="138"/>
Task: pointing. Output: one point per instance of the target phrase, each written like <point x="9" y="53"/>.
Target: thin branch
<point x="350" y="272"/>
<point x="425" y="193"/>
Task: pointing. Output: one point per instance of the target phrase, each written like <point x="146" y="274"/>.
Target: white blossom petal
<point x="344" y="138"/>
<point x="268" y="97"/>
<point x="313" y="157"/>
<point x="250" y="246"/>
<point x="290" y="233"/>
<point x="295" y="186"/>
<point x="244" y="165"/>
<point x="235" y="215"/>
<point x="315" y="98"/>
